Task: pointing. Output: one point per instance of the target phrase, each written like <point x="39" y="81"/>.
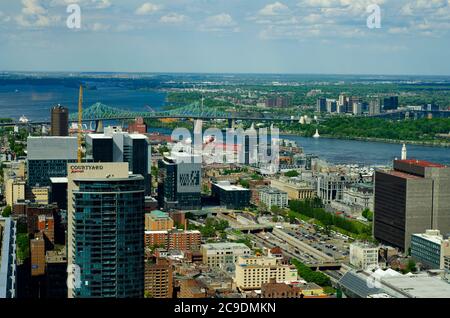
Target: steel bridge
<point x="100" y="112"/>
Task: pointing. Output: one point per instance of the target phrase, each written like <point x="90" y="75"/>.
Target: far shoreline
<point x="380" y="140"/>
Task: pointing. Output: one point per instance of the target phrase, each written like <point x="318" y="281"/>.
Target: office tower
<point x="430" y="107"/>
<point x="48" y="157"/>
<point x="58" y="192"/>
<point x="105" y="230"/>
<point x="114" y="145"/>
<point x="357" y="109"/>
<point x="179" y="184"/>
<point x="231" y="196"/>
<point x="411" y="198"/>
<point x="159" y="279"/>
<point x="390" y="103"/>
<point x="430" y="249"/>
<point x="56" y="274"/>
<point x="343" y="101"/>
<point x="7" y="258"/>
<point x="331" y="105"/>
<point x="278" y="102"/>
<point x="60" y="121"/>
<point x="351" y="101"/>
<point x="374" y="107"/>
<point x="321" y="105"/>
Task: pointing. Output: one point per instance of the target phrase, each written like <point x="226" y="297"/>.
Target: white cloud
<point x="219" y="23"/>
<point x="147" y="8"/>
<point x="97" y="4"/>
<point x="173" y="18"/>
<point x="99" y="27"/>
<point x="33" y="14"/>
<point x="274" y="9"/>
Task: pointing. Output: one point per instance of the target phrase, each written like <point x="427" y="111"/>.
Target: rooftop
<point x="270" y="190"/>
<point x="403" y="175"/>
<point x="421" y="163"/>
<point x="220" y="246"/>
<point x="229" y="187"/>
<point x="159" y="214"/>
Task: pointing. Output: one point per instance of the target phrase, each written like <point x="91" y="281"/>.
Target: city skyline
<point x="293" y="37"/>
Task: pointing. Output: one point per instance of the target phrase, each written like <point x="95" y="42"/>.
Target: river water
<point x="35" y="102"/>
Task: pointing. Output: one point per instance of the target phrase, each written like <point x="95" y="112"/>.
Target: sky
<point x="227" y="36"/>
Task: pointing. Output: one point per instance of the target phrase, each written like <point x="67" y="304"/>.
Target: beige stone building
<point x="254" y="271"/>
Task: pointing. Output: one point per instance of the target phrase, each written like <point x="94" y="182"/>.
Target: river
<point x="367" y="152"/>
<point x="35" y="102"/>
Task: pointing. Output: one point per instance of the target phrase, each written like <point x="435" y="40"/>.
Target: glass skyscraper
<point x="107" y="236"/>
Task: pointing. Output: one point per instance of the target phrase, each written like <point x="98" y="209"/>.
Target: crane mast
<point x="80" y="123"/>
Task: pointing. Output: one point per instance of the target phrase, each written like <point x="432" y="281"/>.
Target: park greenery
<point x="368" y="215"/>
<point x="7" y="211"/>
<point x="211" y="228"/>
<point x="292" y="173"/>
<point x="23" y="246"/>
<point x="420" y="130"/>
<point x="311" y="276"/>
<point x="313" y="209"/>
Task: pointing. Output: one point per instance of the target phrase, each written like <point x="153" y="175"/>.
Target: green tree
<point x="7" y="211"/>
<point x="292" y="173"/>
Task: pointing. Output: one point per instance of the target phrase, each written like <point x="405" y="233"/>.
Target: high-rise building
<point x="37" y="251"/>
<point x="411" y="198"/>
<point x="105" y="230"/>
<point x="7" y="258"/>
<point x="321" y="105"/>
<point x="60" y="121"/>
<point x="159" y="279"/>
<point x="48" y="157"/>
<point x="331" y="105"/>
<point x="374" y="107"/>
<point x="114" y="145"/>
<point x="390" y="103"/>
<point x="430" y="249"/>
<point x="179" y="184"/>
<point x="56" y="274"/>
<point x="231" y="196"/>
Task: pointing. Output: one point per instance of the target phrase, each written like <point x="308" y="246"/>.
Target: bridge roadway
<point x="195" y="117"/>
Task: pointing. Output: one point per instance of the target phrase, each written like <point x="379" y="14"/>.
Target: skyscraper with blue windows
<point x="106" y="226"/>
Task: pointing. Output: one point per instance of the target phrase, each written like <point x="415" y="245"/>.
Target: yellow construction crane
<point x="80" y="124"/>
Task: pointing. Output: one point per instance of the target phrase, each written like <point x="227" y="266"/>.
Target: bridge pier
<point x="99" y="126"/>
<point x="231" y="123"/>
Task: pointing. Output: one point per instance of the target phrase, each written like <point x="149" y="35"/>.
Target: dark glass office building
<point x="108" y="242"/>
<point x="118" y="146"/>
<point x="60" y="121"/>
<point x="179" y="184"/>
<point x="231" y="196"/>
<point x="410" y="199"/>
<point x="48" y="158"/>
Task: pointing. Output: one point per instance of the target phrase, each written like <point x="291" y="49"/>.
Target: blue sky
<point x="254" y="36"/>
